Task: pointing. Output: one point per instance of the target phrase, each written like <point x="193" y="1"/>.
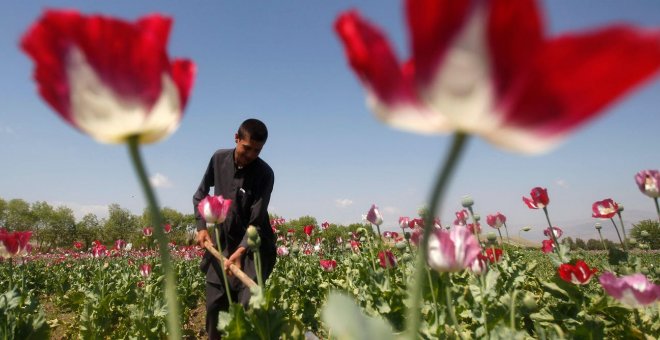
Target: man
<point x="240" y="175"/>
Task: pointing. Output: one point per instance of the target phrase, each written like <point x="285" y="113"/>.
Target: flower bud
<point x="598" y="226"/>
<point x="401" y="245"/>
<point x="529" y="303"/>
<point x="252" y="232"/>
<point x="467" y="201"/>
<point x="406" y="235"/>
<point x="620" y="209"/>
<point x="476" y="217"/>
<point x="491" y="237"/>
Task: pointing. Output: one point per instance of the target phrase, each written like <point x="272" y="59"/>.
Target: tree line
<point x="57" y="226"/>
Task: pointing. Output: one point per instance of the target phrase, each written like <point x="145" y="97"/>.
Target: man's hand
<point x="234" y="259"/>
<point x="202" y="237"/>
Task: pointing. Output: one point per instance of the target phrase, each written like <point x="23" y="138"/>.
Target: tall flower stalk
<point x="451" y="161"/>
<point x="174" y="326"/>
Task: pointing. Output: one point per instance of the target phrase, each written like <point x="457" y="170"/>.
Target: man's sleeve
<point x="259" y="209"/>
<point x="202" y="192"/>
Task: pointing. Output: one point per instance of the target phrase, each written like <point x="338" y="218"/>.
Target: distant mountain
<point x="585" y="228"/>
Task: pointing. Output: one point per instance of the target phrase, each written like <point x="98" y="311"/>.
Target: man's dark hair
<point x="255" y="129"/>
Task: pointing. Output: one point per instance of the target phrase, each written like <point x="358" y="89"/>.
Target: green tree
<point x="593" y="244"/>
<point x="647" y="232"/>
<point x="42" y="212"/>
<point x="88" y="229"/>
<point x="63" y="227"/>
<point x="569" y="242"/>
<point x="3" y="211"/>
<point x="121" y="224"/>
<point x="18" y="215"/>
<point x="580" y="244"/>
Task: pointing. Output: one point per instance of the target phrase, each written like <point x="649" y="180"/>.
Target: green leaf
<point x="346" y="321"/>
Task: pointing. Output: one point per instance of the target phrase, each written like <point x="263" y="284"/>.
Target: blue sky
<point x="281" y="62"/>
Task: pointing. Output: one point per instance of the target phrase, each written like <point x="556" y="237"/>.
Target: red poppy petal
<point x="515" y="33"/>
<point x="574" y="77"/>
<point x="433" y="25"/>
<point x="373" y="60"/>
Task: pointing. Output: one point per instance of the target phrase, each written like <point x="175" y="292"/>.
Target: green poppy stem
<point x="657" y="207"/>
<point x="173" y="322"/>
<point x="618" y="234"/>
<point x="552" y="233"/>
<point x="623" y="228"/>
<point x="222" y="264"/>
<point x="447" y="170"/>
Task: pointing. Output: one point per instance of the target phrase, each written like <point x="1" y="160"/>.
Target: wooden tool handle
<point x="235" y="270"/>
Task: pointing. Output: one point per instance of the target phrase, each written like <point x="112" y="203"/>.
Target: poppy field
<point x="338" y="282"/>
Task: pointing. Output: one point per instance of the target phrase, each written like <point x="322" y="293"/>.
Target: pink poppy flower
<point x="214" y="209"/>
<point x="14" y="244"/>
<point x="308" y="229"/>
<point x="390" y="234"/>
<point x="557" y="231"/>
<point x="107" y="77"/>
<point x="539" y="198"/>
<point x="120" y="244"/>
<point x="325" y="225"/>
<point x="387" y="259"/>
<point x="328" y="265"/>
<point x="479" y="265"/>
<point x="148" y="231"/>
<point x="282" y="251"/>
<point x="461" y="217"/>
<point x="548" y="246"/>
<point x="167" y="228"/>
<point x="579" y="274"/>
<point x="99" y="250"/>
<point x="77" y="245"/>
<point x="488" y="68"/>
<point x="453" y="250"/>
<point x="496" y="221"/>
<point x="417" y="235"/>
<point x="471" y="227"/>
<point x="648" y="182"/>
<point x="606" y="208"/>
<point x="374" y="216"/>
<point x="416" y="223"/>
<point x="404" y="221"/>
<point x="633" y="290"/>
<point x="355" y="246"/>
<point x="145" y="269"/>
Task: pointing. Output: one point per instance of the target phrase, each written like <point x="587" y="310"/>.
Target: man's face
<point x="247" y="150"/>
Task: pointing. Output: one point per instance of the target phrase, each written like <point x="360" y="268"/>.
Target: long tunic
<point x="249" y="188"/>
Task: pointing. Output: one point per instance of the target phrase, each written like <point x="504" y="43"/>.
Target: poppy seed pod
<point x="491" y="237"/>
<point x="467" y="201"/>
<point x="252" y="232"/>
